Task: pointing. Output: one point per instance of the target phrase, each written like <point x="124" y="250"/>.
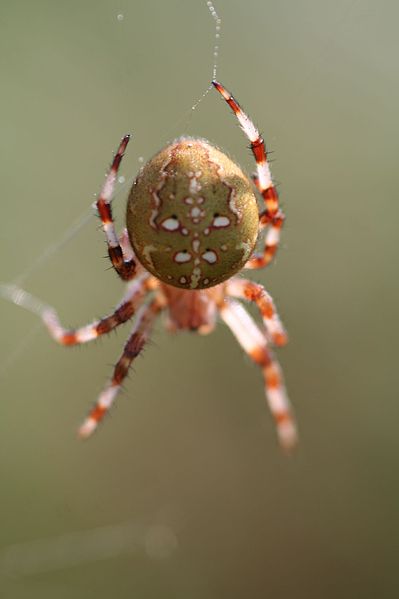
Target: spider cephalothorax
<point x="192" y="224"/>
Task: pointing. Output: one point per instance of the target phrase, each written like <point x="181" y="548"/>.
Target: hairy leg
<point x="255" y="345"/>
<point x="254" y="292"/>
<point x="132" y="299"/>
<point x="133" y="347"/>
<point x="272" y="217"/>
<point x="126" y="268"/>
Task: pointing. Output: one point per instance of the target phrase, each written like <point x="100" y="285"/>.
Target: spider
<point x="192" y="223"/>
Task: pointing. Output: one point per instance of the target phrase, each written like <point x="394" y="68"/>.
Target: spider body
<point x="192" y="215"/>
<point x="192" y="310"/>
<point x="192" y="224"/>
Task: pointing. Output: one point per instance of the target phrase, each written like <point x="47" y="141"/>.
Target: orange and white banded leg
<point x="253" y="292"/>
<point x="272" y="216"/>
<point x="132" y="299"/>
<point x="254" y="344"/>
<point x="138" y="337"/>
<point x="127" y="249"/>
<point x="125" y="267"/>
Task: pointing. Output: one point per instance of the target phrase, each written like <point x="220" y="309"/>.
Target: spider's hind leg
<point x="255" y="345"/>
<point x="254" y="292"/>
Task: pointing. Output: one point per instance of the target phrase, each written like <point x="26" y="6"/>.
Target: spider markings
<point x="192" y="215"/>
<point x="148" y="295"/>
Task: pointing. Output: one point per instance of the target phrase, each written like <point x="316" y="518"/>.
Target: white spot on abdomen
<point x="195" y="211"/>
<point x="182" y="257"/>
<point x="210" y="257"/>
<point x="194" y="186"/>
<point x="195" y="277"/>
<point x="170" y="224"/>
<point x="196" y="245"/>
<point x="221" y="221"/>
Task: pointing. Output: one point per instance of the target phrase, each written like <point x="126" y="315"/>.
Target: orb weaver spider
<point x="192" y="223"/>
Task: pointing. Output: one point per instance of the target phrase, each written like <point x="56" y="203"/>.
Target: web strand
<point x="218" y="27"/>
<point x="216" y="48"/>
<point x="13" y="293"/>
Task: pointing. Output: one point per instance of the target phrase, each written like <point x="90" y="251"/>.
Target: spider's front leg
<point x="255" y="345"/>
<point x="138" y="338"/>
<point x="125" y="267"/>
<point x="272" y="217"/>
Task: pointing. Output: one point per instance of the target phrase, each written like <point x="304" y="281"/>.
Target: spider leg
<point x="272" y="216"/>
<point x="126" y="268"/>
<point x="255" y="345"/>
<point x="127" y="249"/>
<point x="134" y="296"/>
<point x="254" y="292"/>
<point x="133" y="347"/>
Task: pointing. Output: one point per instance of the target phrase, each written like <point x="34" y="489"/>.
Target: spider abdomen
<point x="192" y="216"/>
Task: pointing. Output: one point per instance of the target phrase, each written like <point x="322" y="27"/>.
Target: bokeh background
<point x="184" y="492"/>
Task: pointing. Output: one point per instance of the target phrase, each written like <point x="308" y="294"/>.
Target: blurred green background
<point x="184" y="493"/>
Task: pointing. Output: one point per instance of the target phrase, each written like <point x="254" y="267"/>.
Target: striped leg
<point x="272" y="217"/>
<point x="125" y="268"/>
<point x="133" y="347"/>
<point x="134" y="296"/>
<point x="244" y="289"/>
<point x="127" y="249"/>
<point x="254" y="343"/>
